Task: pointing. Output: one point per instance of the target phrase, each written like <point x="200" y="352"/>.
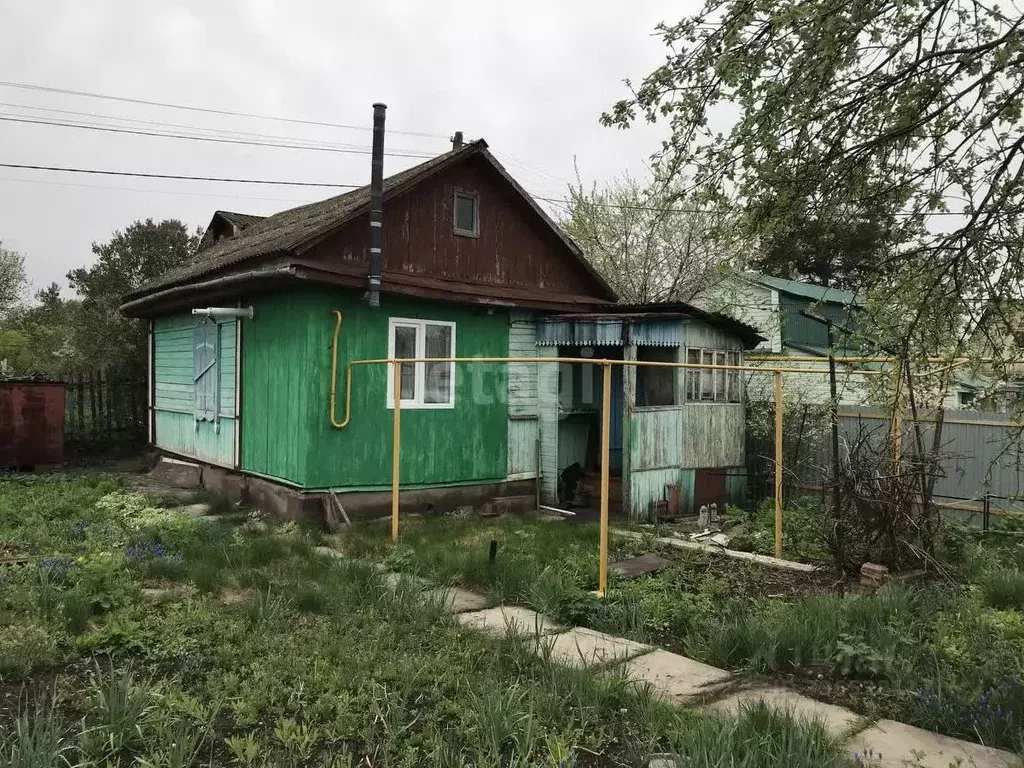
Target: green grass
<point x="272" y="655"/>
<point x="933" y="654"/>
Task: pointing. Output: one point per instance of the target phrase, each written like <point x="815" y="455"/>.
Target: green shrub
<point x="24" y="647"/>
<point x="36" y="742"/>
<point x="760" y="737"/>
<point x="1003" y="588"/>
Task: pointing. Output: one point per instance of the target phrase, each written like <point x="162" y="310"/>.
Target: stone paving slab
<point x="641" y="565"/>
<point x="498" y="621"/>
<point x="459" y="600"/>
<point x="583" y="647"/>
<point x="676" y="678"/>
<point x="328" y="551"/>
<point x="392" y="580"/>
<point x="837" y="720"/>
<point x="896" y="745"/>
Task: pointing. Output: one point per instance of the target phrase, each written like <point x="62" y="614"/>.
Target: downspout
<point x="376" y="205"/>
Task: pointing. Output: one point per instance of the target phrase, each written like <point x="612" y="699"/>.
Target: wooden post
<point x="778" y="463"/>
<point x="606" y="413"/>
<point x="396" y="449"/>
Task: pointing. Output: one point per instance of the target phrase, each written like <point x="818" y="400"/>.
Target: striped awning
<point x="606" y="332"/>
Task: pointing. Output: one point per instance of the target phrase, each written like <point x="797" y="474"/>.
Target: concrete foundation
<point x="288" y="503"/>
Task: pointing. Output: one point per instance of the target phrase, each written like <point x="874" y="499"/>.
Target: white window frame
<point x="695" y="378"/>
<point x="420" y="375"/>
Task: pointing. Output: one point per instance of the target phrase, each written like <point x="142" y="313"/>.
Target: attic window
<point x="467" y="213"/>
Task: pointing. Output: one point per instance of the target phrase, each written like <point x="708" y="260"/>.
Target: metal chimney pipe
<point x="457" y="141"/>
<point x="376" y="204"/>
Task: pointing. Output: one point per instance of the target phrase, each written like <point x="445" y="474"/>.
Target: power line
<point x="178" y="177"/>
<point x="164" y="124"/>
<point x="208" y="110"/>
<point x="556" y="201"/>
<point x="154" y="191"/>
<point x="212" y="139"/>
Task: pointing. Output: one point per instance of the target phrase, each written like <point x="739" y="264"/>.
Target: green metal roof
<point x="808" y="290"/>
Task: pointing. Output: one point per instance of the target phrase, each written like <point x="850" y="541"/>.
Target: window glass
<point x="707" y="375"/>
<point x="693" y="375"/>
<point x="656" y="385"/>
<point x="734" y="378"/>
<point x="720" y="377"/>
<point x="465" y="213"/>
<point x="438" y="343"/>
<point x="405" y="346"/>
<point x="204" y="370"/>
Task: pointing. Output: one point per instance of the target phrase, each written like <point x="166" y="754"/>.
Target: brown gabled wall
<point x="515" y="248"/>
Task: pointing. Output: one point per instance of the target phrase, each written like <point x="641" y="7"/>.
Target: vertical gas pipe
<point x="778" y="463"/>
<point x="376" y="205"/>
<point x="396" y="448"/>
<point x="606" y="412"/>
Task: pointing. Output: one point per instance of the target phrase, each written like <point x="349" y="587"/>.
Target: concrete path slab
<point x="837" y="721"/>
<point x="641" y="565"/>
<point x="459" y="600"/>
<point x="584" y="647"/>
<point x="328" y="551"/>
<point x="895" y="745"/>
<point x="498" y="621"/>
<point x="393" y="579"/>
<point x="675" y="678"/>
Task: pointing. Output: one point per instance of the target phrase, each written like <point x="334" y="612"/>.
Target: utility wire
<point x="180" y="193"/>
<point x="177" y="177"/>
<point x="164" y="124"/>
<point x="207" y="110"/>
<point x="212" y="139"/>
<point x="553" y="200"/>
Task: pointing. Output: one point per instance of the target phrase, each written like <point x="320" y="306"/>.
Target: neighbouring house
<point x="779" y="309"/>
<point x="243" y="363"/>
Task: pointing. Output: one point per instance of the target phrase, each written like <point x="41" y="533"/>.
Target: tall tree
<point x="785" y="111"/>
<point x="646" y="247"/>
<point x="143" y="251"/>
<point x="12" y="279"/>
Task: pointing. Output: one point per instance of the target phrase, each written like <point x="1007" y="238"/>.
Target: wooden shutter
<point x="206" y="350"/>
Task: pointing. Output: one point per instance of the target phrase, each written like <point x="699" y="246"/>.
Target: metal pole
<point x="396" y="450"/>
<point x="778" y="463"/>
<point x="833" y="415"/>
<point x="606" y="413"/>
<point x="986" y="510"/>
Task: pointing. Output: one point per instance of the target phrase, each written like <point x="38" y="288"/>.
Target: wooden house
<point x="469" y="264"/>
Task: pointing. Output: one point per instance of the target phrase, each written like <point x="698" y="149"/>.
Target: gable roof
<point x="239" y="221"/>
<point x="295" y="230"/>
<point x="806" y="290"/>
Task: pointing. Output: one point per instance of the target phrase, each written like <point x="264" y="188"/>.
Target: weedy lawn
<point x="947" y="655"/>
<point x="133" y="635"/>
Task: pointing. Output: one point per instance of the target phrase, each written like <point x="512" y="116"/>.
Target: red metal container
<point x="31" y="423"/>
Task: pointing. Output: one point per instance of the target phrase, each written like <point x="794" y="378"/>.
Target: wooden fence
<point x="105" y="411"/>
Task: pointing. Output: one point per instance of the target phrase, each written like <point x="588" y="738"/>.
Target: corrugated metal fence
<point x="982" y="453"/>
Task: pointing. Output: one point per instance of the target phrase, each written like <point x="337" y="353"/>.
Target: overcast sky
<point x="530" y="77"/>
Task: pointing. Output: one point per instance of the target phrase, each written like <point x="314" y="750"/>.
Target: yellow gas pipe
<point x="334" y="377"/>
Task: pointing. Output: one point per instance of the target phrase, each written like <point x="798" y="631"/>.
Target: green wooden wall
<point x="174" y="403"/>
<point x="286" y="362"/>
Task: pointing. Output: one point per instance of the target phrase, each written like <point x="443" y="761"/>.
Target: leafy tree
<point x="877" y="111"/>
<point x="143" y="251"/>
<point x="12" y="279"/>
<point x="646" y="248"/>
